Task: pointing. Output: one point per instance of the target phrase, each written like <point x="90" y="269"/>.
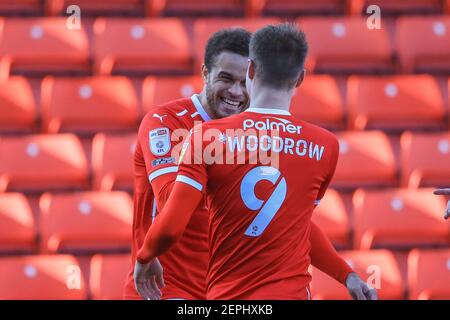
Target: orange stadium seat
<point x="88" y="104"/>
<point x="108" y="274"/>
<point x="41" y="162"/>
<point x="399" y="218"/>
<point x="397" y="6"/>
<point x="294" y="7"/>
<point x="366" y="158"/>
<point x="205" y="27"/>
<point x="332" y="217"/>
<point x="17" y="105"/>
<point x="311" y="104"/>
<point x="425" y="159"/>
<point x="41" y="277"/>
<point x="395" y="102"/>
<point x="379" y="268"/>
<point x="85" y="221"/>
<point x="429" y="274"/>
<point x="42" y="45"/>
<point x="112" y="161"/>
<point x="195" y="7"/>
<point x="17" y="223"/>
<point x="346" y="44"/>
<point x="423" y="43"/>
<point x="141" y="45"/>
<point x="159" y="90"/>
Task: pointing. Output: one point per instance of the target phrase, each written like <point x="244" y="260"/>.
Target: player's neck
<point x="202" y="97"/>
<point x="268" y="98"/>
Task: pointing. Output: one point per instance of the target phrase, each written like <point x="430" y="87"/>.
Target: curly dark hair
<point x="235" y="40"/>
<point x="278" y="53"/>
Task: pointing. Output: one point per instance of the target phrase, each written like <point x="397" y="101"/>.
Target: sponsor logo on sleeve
<point x="161" y="161"/>
<point x="159" y="141"/>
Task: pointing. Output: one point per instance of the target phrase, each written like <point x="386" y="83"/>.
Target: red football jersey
<point x="155" y="167"/>
<point x="259" y="224"/>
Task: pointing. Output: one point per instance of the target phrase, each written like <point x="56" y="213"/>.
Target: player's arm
<point x="170" y="224"/>
<point x="324" y="255"/>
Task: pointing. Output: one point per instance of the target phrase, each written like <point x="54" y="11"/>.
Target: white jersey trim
<point x="199" y="107"/>
<point x="190" y="182"/>
<point x="155" y="174"/>
<point x="317" y="202"/>
<point x="269" y="111"/>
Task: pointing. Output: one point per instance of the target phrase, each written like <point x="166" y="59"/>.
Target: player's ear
<point x="301" y="78"/>
<point x="204" y="73"/>
<point x="251" y="69"/>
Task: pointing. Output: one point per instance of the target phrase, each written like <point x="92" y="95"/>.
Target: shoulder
<point x="171" y="114"/>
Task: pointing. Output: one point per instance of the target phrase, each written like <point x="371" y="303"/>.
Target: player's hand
<point x="444" y="192"/>
<point x="148" y="279"/>
<point x="358" y="289"/>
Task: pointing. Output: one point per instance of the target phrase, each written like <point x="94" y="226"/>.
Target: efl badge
<point x="159" y="141"/>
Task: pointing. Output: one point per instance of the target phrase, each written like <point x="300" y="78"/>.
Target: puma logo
<point x="159" y="117"/>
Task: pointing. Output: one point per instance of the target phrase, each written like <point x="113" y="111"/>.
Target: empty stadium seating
<point x="112" y="161"/>
<point x="18" y="109"/>
<point x="88" y="104"/>
<point x="398" y="218"/>
<point x="423" y="43"/>
<point x="195" y="7"/>
<point x="379" y="268"/>
<point x="294" y="7"/>
<point x="311" y="104"/>
<point x="17" y="223"/>
<point x="346" y="45"/>
<point x="107" y="276"/>
<point x="366" y="158"/>
<point x="85" y="221"/>
<point x="42" y="45"/>
<point x="393" y="7"/>
<point x="395" y="102"/>
<point x="429" y="274"/>
<point x="41" y="277"/>
<point x="425" y="159"/>
<point x="159" y="90"/>
<point x="139" y="45"/>
<point x="42" y="162"/>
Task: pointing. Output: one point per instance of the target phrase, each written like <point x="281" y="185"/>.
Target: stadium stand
<point x="71" y="101"/>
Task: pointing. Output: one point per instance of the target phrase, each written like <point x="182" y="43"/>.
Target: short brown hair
<point x="278" y="53"/>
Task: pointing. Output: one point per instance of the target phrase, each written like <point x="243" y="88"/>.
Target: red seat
<point x="196" y="7"/>
<point x="88" y="104"/>
<point x="346" y="44"/>
<point x="42" y="45"/>
<point x="395" y="102"/>
<point x="41" y="277"/>
<point x="99" y="7"/>
<point x="429" y="274"/>
<point x="311" y="104"/>
<point x="17" y="225"/>
<point x="159" y="90"/>
<point x="425" y="159"/>
<point x="86" y="221"/>
<point x="42" y="162"/>
<point x="294" y="7"/>
<point x="379" y="268"/>
<point x="141" y="45"/>
<point x="108" y="274"/>
<point x="206" y="27"/>
<point x="366" y="158"/>
<point x="332" y="217"/>
<point x="17" y="105"/>
<point x="399" y="217"/>
<point x="112" y="161"/>
<point x="397" y="6"/>
<point x="423" y="43"/>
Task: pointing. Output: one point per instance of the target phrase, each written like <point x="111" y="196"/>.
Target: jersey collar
<point x="199" y="107"/>
<point x="269" y="111"/>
